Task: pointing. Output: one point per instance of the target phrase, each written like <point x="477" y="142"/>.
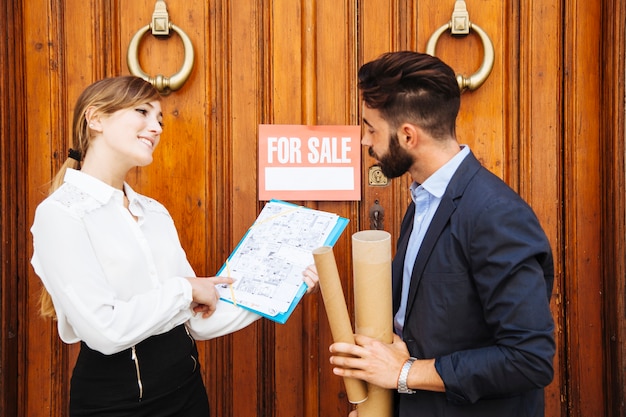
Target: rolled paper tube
<point x="371" y="257"/>
<point x="379" y="402"/>
<point x="337" y="312"/>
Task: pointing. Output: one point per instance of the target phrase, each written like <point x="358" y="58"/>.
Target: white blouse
<point x="114" y="280"/>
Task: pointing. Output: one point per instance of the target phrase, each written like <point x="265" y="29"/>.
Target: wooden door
<point x="549" y="120"/>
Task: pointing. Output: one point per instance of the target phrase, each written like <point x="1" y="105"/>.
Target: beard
<point x="396" y="161"/>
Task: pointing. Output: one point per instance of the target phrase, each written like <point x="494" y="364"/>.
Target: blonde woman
<point x="116" y="277"/>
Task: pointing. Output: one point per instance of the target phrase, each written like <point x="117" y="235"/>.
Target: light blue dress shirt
<point x="426" y="197"/>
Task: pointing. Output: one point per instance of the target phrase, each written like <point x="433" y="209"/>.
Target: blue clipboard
<point x="331" y="239"/>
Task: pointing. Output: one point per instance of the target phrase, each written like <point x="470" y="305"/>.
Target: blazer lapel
<point x="447" y="206"/>
<point x="445" y="210"/>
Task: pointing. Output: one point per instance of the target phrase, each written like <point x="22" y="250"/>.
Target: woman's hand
<point x="205" y="295"/>
<point x="311" y="279"/>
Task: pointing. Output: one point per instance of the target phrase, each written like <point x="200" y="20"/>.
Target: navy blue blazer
<point x="479" y="301"/>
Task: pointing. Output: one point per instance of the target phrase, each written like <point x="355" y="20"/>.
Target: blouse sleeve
<point x="226" y="319"/>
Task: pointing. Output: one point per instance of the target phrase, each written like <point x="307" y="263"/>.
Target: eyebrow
<point x="367" y="123"/>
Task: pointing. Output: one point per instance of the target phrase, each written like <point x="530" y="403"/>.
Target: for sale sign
<point x="309" y="163"/>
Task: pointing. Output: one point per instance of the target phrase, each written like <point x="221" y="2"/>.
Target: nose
<point x="365" y="141"/>
<point x="155" y="126"/>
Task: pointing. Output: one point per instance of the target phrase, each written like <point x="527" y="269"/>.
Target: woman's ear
<point x="93" y="119"/>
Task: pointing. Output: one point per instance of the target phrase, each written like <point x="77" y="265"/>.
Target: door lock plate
<point x="376" y="177"/>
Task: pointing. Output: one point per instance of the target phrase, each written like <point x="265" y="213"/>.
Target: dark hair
<point x="412" y="87"/>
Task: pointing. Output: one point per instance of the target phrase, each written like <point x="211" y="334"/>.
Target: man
<point x="473" y="273"/>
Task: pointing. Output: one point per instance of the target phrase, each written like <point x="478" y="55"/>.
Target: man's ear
<point x="409" y="135"/>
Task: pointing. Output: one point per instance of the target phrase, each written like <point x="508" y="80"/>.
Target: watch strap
<point x="404" y="374"/>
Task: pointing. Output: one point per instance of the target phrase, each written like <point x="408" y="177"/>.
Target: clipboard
<point x="268" y="261"/>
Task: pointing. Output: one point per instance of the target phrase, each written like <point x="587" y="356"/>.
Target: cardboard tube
<point x="371" y="257"/>
<point x="337" y="312"/>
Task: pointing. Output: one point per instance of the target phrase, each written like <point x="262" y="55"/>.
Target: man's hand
<point x="370" y="360"/>
<point x="380" y="364"/>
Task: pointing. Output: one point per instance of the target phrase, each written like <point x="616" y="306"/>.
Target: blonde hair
<point x="104" y="97"/>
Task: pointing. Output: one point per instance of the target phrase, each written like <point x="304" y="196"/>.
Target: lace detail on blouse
<point x="150" y="204"/>
<point x="75" y="199"/>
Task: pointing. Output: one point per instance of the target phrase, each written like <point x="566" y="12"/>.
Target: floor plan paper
<point x="267" y="263"/>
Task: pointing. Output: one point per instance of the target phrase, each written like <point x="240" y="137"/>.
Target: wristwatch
<point x="404" y="373"/>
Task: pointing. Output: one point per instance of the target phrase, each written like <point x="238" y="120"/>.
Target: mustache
<point x="370" y="151"/>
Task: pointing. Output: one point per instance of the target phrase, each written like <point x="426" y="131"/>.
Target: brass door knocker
<point x="161" y="26"/>
<point x="460" y="24"/>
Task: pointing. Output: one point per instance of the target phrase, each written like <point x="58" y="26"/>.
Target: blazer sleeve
<point x="512" y="270"/>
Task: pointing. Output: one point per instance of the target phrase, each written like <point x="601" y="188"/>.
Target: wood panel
<point x="236" y="62"/>
<point x="287" y="59"/>
<point x="537" y="122"/>
<point x="582" y="199"/>
<point x="330" y="101"/>
<point x="536" y="146"/>
<point x="614" y="205"/>
<point x="46" y="370"/>
<point x="12" y="199"/>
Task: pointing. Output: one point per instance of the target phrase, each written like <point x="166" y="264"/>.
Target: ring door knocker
<point x="161" y="26"/>
<point x="460" y="24"/>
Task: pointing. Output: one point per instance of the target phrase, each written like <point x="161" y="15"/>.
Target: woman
<point x="116" y="277"/>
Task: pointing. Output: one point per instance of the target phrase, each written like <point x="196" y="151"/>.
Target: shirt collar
<point x="130" y="193"/>
<point x="437" y="183"/>
<point x="94" y="187"/>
